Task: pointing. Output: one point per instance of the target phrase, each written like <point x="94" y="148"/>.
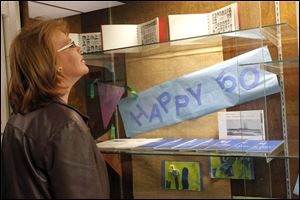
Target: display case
<point x="238" y="89"/>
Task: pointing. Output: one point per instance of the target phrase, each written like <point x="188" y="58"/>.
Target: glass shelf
<point x="277" y="67"/>
<point x="199" y="153"/>
<point x="277" y="152"/>
<point x="259" y="36"/>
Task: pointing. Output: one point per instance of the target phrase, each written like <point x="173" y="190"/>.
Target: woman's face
<point x="69" y="59"/>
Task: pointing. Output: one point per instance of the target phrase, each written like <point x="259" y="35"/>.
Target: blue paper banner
<point x="220" y="86"/>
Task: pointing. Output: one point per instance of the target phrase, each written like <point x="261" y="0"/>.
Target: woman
<point x="47" y="149"/>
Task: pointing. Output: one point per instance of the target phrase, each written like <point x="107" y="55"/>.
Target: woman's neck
<point x="68" y="86"/>
<point x="65" y="97"/>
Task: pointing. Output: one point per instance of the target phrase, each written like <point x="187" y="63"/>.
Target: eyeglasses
<point x="70" y="45"/>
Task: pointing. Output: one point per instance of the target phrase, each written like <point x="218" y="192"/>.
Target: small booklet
<point x="222" y="145"/>
<point x="245" y="125"/>
<point x="203" y="145"/>
<point x="89" y="42"/>
<point x="244" y="146"/>
<point x="192" y="25"/>
<point x="250" y="197"/>
<point x="189" y="144"/>
<point x="115" y="36"/>
<point x="117" y="144"/>
<point x="172" y="144"/>
<point x="150" y="146"/>
<point x="268" y="146"/>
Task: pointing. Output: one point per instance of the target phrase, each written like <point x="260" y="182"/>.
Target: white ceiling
<point x="58" y="9"/>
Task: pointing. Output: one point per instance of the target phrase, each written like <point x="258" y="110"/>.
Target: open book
<point x="89" y="42"/>
<point x="192" y="25"/>
<point x="127" y="35"/>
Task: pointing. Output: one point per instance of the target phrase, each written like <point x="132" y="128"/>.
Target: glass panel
<point x="254" y="95"/>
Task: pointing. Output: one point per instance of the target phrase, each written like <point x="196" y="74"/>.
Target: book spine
<point x="139" y="35"/>
<point x="238" y="15"/>
<point x="162" y="30"/>
<point x="208" y="24"/>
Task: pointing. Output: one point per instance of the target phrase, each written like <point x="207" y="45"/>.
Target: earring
<point x="59" y="69"/>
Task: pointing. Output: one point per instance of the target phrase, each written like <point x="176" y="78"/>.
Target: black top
<point x="50" y="153"/>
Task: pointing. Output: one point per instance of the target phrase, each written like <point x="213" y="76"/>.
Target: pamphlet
<point x="246" y="125"/>
<point x="115" y="36"/>
<point x="170" y="145"/>
<point x="250" y="197"/>
<point x="244" y="145"/>
<point x="116" y="144"/>
<point x="151" y="145"/>
<point x="89" y="42"/>
<point x="223" y="145"/>
<point x="189" y="144"/>
<point x="265" y="146"/>
<point x="192" y="25"/>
